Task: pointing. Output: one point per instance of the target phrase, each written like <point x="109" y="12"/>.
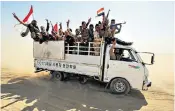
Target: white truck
<point x="121" y="75"/>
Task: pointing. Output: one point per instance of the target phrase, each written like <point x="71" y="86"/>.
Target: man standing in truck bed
<point x="85" y="36"/>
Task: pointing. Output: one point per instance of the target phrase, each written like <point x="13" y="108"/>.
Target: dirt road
<point x="30" y="92"/>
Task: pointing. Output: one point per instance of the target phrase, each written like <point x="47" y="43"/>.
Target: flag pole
<point x="32" y="13"/>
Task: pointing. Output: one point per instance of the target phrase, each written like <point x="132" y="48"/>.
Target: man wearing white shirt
<point x="111" y="51"/>
<point x="97" y="40"/>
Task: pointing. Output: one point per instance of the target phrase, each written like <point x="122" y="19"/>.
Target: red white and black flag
<point x="29" y="16"/>
<point x="27" y="19"/>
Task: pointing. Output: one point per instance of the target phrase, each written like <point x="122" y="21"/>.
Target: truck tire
<point x="120" y="86"/>
<point x="52" y="76"/>
<point x="58" y="75"/>
<point x="83" y="80"/>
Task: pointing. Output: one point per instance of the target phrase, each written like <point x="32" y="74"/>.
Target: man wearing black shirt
<point x="91" y="33"/>
<point x="69" y="40"/>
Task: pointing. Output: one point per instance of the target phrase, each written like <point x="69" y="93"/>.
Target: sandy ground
<point x="31" y="92"/>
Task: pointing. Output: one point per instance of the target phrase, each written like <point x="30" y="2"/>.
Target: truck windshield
<point x="123" y="55"/>
<point x="138" y="56"/>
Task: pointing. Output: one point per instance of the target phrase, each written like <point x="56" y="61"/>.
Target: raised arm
<point x="105" y="18"/>
<point x="68" y="24"/>
<point x="23" y="34"/>
<point x="89" y="20"/>
<point x="108" y="13"/>
<point x="51" y="25"/>
<point x="68" y="29"/>
<point x="21" y="22"/>
<point x="118" y="28"/>
<point x="60" y="25"/>
<point x="47" y="27"/>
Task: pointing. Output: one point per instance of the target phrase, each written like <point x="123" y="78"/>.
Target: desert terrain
<point x="23" y="90"/>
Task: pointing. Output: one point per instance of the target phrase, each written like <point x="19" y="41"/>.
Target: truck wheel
<point x="52" y="76"/>
<point x="120" y="86"/>
<point x="58" y="75"/>
<point x="83" y="80"/>
<point x="66" y="76"/>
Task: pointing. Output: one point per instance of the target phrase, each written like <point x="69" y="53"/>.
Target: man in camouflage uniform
<point x="84" y="36"/>
<point x="84" y="31"/>
<point x="97" y="40"/>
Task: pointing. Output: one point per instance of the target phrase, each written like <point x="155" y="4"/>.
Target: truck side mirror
<point x="143" y="63"/>
<point x="152" y="59"/>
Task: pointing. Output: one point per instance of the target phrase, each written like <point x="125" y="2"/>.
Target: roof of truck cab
<point x="124" y="47"/>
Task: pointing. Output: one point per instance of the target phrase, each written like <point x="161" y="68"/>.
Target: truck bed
<point x="51" y="56"/>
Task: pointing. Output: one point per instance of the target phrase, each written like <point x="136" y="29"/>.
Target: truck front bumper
<point x="146" y="85"/>
<point x="149" y="84"/>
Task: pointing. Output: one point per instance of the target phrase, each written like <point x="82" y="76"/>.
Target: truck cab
<point x="127" y="67"/>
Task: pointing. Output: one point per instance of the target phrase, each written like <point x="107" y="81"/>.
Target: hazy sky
<point x="149" y="24"/>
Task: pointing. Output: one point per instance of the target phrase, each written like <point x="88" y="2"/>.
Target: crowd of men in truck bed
<point x="104" y="31"/>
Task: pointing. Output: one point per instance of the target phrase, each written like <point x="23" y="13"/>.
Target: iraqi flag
<point x="27" y="19"/>
<point x="55" y="29"/>
<point x="100" y="12"/>
<point x="29" y="16"/>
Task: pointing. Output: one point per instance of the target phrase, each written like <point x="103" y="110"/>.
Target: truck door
<point x="125" y="66"/>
